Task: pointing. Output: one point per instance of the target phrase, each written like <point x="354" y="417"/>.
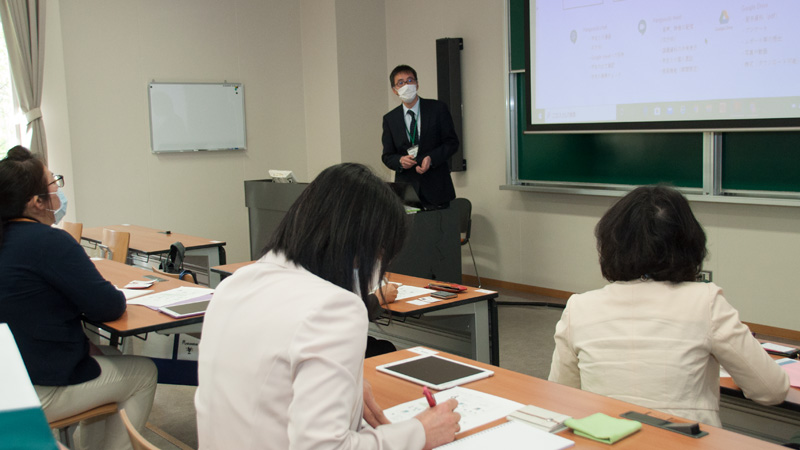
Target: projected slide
<point x="647" y="62"/>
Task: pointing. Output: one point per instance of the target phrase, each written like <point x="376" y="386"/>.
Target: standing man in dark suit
<point x="418" y="141"/>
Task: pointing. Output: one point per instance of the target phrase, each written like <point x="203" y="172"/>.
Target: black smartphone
<point x="443" y="294"/>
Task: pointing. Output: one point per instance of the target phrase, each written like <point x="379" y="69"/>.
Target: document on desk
<point x="405" y="291"/>
<point x="476" y="408"/>
<point x="792" y="368"/>
<point x="510" y="436"/>
<point x="175" y="296"/>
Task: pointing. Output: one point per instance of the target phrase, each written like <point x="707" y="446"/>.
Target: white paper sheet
<point x="172" y="296"/>
<point x="511" y="436"/>
<point x="405" y="291"/>
<point x="476" y="408"/>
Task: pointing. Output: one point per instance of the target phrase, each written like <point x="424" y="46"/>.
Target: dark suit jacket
<point x="47" y="285"/>
<point x="438" y="140"/>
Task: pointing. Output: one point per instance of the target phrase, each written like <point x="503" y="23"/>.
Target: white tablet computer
<point x="186" y="309"/>
<point x="435" y="371"/>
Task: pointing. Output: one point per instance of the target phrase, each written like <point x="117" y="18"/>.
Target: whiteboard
<point x="188" y="117"/>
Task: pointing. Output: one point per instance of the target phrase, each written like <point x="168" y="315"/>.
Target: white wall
<point x="112" y="49"/>
<point x="307" y="108"/>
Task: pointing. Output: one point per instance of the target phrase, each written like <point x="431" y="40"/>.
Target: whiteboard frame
<point x="191" y="150"/>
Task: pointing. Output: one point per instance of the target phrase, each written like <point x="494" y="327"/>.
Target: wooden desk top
<point x="137" y="318"/>
<point x="391" y="391"/>
<point x="402" y="307"/>
<point x="727" y="386"/>
<point x="151" y="241"/>
<point x="228" y="269"/>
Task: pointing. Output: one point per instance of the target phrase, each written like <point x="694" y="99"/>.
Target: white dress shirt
<point x="281" y="365"/>
<point x="659" y="345"/>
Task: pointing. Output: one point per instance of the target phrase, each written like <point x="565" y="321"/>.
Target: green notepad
<point x="603" y="428"/>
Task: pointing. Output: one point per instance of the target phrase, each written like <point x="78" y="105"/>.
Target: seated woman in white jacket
<point x="282" y="354"/>
<point x="654" y="336"/>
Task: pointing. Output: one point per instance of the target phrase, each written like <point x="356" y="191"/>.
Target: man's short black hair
<point x="400" y="69"/>
<point x="651" y="233"/>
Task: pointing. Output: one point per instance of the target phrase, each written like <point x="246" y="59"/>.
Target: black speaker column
<point x="448" y="74"/>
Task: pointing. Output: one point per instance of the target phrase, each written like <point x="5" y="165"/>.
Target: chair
<point x="74" y="229"/>
<point x="63" y="425"/>
<point x="464" y="209"/>
<point x="114" y="245"/>
<point x="185" y="275"/>
<point x="137" y="440"/>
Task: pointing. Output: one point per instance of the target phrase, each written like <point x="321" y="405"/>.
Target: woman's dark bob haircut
<point x="651" y="233"/>
<point x="346" y="218"/>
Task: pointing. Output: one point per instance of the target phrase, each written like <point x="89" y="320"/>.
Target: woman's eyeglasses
<point x="58" y="180"/>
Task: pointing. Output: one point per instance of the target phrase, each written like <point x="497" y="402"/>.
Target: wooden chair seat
<point x="62" y="425"/>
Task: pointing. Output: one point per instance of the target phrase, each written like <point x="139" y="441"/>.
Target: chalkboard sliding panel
<point x="761" y="164"/>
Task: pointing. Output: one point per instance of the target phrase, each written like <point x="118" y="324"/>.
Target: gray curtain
<point x="23" y="27"/>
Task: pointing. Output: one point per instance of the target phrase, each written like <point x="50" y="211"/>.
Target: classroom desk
<point x="138" y="320"/>
<point x="464" y="324"/>
<point x="390" y="391"/>
<point x="22" y="421"/>
<point x="146" y="243"/>
<point x="776" y="423"/>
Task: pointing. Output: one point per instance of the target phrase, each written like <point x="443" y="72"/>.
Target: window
<point x="9" y="111"/>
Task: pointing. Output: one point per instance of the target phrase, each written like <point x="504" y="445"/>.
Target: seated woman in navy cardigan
<point x="48" y="285"/>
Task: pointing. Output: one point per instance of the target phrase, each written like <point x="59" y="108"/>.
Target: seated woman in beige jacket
<point x="654" y="336"/>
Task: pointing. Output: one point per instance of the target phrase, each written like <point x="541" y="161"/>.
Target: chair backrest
<point x="464" y="209"/>
<point x="137" y="440"/>
<point x="185" y="275"/>
<point x="115" y="244"/>
<point x="74" y="229"/>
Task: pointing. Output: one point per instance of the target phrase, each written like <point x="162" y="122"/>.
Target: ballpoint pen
<point x="429" y="396"/>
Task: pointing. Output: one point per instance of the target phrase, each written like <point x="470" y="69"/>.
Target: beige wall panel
<point x="113" y="48"/>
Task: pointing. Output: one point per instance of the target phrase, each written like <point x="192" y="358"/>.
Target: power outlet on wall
<point x="704" y="276"/>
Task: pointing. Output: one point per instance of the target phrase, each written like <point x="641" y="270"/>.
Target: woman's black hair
<point x="651" y="233"/>
<point x="346" y="218"/>
<point x="21" y="178"/>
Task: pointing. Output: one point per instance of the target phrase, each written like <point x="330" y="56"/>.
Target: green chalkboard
<point x="766" y="161"/>
<point x="762" y="161"/>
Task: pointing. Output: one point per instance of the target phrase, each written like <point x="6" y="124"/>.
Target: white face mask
<point x="407" y="93"/>
<point x="62" y="210"/>
<point x="373" y="284"/>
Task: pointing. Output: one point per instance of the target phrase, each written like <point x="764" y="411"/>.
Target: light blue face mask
<point x="62" y="210"/>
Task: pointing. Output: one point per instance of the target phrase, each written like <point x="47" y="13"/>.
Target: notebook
<point x="510" y="436"/>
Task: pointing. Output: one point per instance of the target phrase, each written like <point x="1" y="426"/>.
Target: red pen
<point x="429" y="396"/>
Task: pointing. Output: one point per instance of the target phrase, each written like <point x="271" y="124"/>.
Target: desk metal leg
<point x="494" y="332"/>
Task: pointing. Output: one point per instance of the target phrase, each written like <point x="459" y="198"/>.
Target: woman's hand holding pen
<point x="440" y="423"/>
<point x="388" y="293"/>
